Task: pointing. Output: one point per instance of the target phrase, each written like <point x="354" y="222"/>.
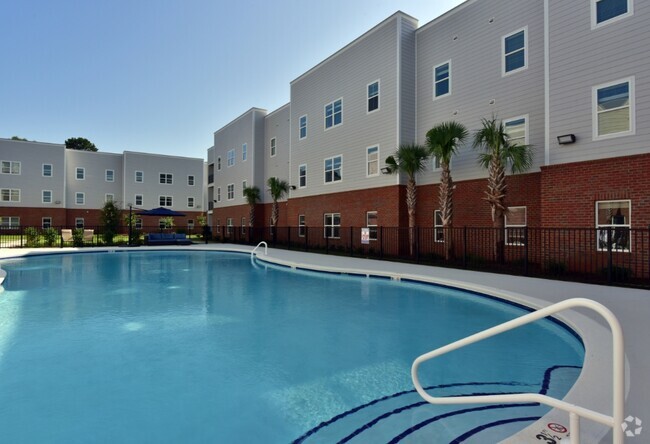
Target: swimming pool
<point x="203" y="347"/>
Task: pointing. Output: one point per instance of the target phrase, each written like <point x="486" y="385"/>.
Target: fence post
<point x="381" y="241"/>
<point x="21" y="236"/>
<point x="465" y="246"/>
<point x="327" y="242"/>
<point x="288" y="238"/>
<point x="351" y="241"/>
<point x="609" y="255"/>
<point x="526" y="250"/>
<point x="306" y="238"/>
<point x="417" y="244"/>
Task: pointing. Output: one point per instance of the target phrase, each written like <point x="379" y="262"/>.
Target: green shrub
<point x="50" y="235"/>
<point x="31" y="237"/>
<point x="78" y="237"/>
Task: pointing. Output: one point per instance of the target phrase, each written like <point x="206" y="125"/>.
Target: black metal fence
<point x="615" y="256"/>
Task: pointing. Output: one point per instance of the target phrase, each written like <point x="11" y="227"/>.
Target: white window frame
<point x="244" y="152"/>
<point x="378" y="95"/>
<point x="631" y="106"/>
<point x="112" y="175"/>
<point x="448" y="79"/>
<point x="333" y="169"/>
<point x="229" y="225"/>
<point x="273" y="146"/>
<point x="11" y="164"/>
<point x="190" y="202"/>
<point x="329" y="229"/>
<point x="108" y="196"/>
<point x="46" y="222"/>
<point x="373" y="228"/>
<point x="190" y="224"/>
<point x="504" y="55"/>
<point x="168" y="179"/>
<point x="141" y="177"/>
<point x="301" y="127"/>
<point x="43" y="170"/>
<point x="11" y="193"/>
<point x="166" y="201"/>
<point x="231" y="191"/>
<point x="218" y="194"/>
<point x="435" y="164"/>
<point x="79" y="222"/>
<point x="82" y="171"/>
<point x="230" y="158"/>
<point x="594" y="15"/>
<point x="138" y="223"/>
<point x="368" y="161"/>
<point x="191" y="180"/>
<point x="43" y="200"/>
<point x="242" y="228"/>
<point x="9" y="222"/>
<point x="219" y="163"/>
<point x="301" y="225"/>
<point x="301" y="175"/>
<point x="601" y="229"/>
<point x="518" y="228"/>
<point x="438" y="231"/>
<point x="244" y="184"/>
<point x="333" y="125"/>
<point x="514" y="119"/>
<point x="136" y="200"/>
<point x="81" y="195"/>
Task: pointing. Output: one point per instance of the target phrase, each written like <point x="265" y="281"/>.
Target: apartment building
<point x="44" y="184"/>
<point x="564" y="77"/>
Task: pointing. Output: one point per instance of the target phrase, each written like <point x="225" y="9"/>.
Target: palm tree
<point x="499" y="152"/>
<point x="278" y="188"/>
<point x="443" y="141"/>
<point x="409" y="159"/>
<point x="252" y="195"/>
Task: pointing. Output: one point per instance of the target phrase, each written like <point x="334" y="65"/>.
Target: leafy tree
<point x="79" y="143"/>
<point x="18" y="138"/>
<point x="279" y="189"/>
<point x="110" y="218"/>
<point x="410" y="160"/>
<point x="252" y="195"/>
<point x="497" y="153"/>
<point x="443" y="141"/>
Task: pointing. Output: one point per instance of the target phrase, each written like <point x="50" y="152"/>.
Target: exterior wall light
<point x="566" y="139"/>
<point x="385" y="170"/>
<point x="293" y="187"/>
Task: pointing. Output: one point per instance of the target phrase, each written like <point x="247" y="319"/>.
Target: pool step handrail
<point x="266" y="249"/>
<point x="575" y="412"/>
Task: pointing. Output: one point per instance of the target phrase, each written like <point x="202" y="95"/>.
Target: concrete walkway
<point x="632" y="307"/>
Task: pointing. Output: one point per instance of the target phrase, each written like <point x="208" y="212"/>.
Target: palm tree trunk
<point x="251" y="216"/>
<point x="274" y="214"/>
<point x="411" y="195"/>
<point x="446" y="203"/>
<point x="495" y="195"/>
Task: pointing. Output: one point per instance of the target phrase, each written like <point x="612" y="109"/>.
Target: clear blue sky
<point x="161" y="76"/>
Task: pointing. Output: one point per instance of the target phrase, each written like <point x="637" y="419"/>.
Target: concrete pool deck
<point x="631" y="306"/>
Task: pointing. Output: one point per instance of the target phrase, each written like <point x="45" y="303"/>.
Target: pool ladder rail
<point x="575" y="412"/>
<point x="266" y="249"/>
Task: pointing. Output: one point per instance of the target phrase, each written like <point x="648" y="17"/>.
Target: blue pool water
<point x="200" y="347"/>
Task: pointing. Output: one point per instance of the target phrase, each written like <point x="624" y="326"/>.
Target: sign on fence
<point x="365" y="235"/>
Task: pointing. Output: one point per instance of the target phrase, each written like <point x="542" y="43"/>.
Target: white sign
<point x="365" y="235"/>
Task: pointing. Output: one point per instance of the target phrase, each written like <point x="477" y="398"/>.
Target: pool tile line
<point x="464" y="437"/>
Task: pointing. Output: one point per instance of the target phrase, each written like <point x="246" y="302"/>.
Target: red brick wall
<point x="32" y="217"/>
<point x="570" y="191"/>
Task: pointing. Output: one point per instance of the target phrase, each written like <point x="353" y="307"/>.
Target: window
<point x="438" y="230"/>
<point x="231" y="157"/>
<point x="301" y="225"/>
<point x="139" y="176"/>
<point x="435" y="163"/>
<point x="80" y="198"/>
<point x="516" y="226"/>
<point x="219" y="226"/>
<point x="231" y="191"/>
<point x="243" y="225"/>
<point x="138" y="224"/>
<point x="218" y="194"/>
<point x="244" y="152"/>
<point x="229" y="226"/>
<point x="10" y="167"/>
<point x="46" y="222"/>
<point x="372" y="161"/>
<point x="79" y="222"/>
<point x="47" y="170"/>
<point x="517" y="130"/>
<point x="515" y="56"/>
<point x="109" y="197"/>
<point x="608" y="11"/>
<point x="333" y="169"/>
<point x="334" y="113"/>
<point x="613" y="109"/>
<point x="166" y="178"/>
<point x="190" y="224"/>
<point x="10" y="195"/>
<point x="190" y="181"/>
<point x="273" y="147"/>
<point x="9" y="222"/>
<point x="613" y="223"/>
<point x="138" y="200"/>
<point x="165" y="201"/>
<point x="218" y="163"/>
<point x="80" y="174"/>
<point x="164" y="223"/>
<point x="302" y="125"/>
<point x="442" y="80"/>
<point x="244" y="185"/>
<point x="371" y="223"/>
<point x="46" y="196"/>
<point x="332" y="225"/>
<point x="110" y="175"/>
<point x="373" y="96"/>
<point x="302" y="176"/>
<point x="190" y="202"/>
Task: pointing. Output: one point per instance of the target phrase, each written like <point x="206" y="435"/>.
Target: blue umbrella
<point x="160" y="211"/>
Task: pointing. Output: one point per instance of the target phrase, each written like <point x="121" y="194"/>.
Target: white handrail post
<point x="266" y="249"/>
<point x="574" y="427"/>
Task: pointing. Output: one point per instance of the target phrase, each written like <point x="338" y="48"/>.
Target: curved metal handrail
<point x="575" y="411"/>
<point x="266" y="249"/>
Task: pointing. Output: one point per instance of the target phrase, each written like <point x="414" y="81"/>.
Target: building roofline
<point x="278" y="110"/>
<point x="104" y="153"/>
<point x="441" y="17"/>
<point x="241" y="116"/>
<point x="162" y="155"/>
<point x="355" y="41"/>
<point x="61" y="145"/>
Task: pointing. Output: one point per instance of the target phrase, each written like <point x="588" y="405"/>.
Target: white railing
<point x="266" y="249"/>
<point x="615" y="421"/>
